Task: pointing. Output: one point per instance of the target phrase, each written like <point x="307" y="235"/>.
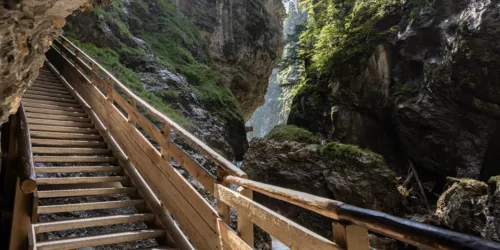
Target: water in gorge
<point x="282" y="81"/>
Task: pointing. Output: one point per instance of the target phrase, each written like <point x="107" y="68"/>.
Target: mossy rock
<point x="293" y="133"/>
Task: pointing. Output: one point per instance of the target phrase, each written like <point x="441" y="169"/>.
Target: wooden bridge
<point x="89" y="153"/>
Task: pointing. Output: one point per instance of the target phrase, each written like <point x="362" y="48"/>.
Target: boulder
<point x="336" y="171"/>
<point x="471" y="207"/>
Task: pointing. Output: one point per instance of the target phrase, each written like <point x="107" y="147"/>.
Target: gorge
<point x="390" y="105"/>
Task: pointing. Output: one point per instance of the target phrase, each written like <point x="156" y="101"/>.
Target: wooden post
<point x="94" y="77"/>
<point x="34" y="211"/>
<point x="110" y="90"/>
<point x="222" y="209"/>
<point x="21" y="219"/>
<point x="245" y="226"/>
<point x="77" y="56"/>
<point x="131" y="120"/>
<point x="63" y="45"/>
<point x="350" y="236"/>
<point x="165" y="144"/>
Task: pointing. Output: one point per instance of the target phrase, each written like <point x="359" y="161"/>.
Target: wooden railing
<point x="147" y="148"/>
<point x="20" y="160"/>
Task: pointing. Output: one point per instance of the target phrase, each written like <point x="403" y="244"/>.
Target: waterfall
<point x="279" y="94"/>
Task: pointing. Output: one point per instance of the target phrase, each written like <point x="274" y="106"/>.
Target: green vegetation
<point x="336" y="150"/>
<point x="292" y="133"/>
<point x="167" y="40"/>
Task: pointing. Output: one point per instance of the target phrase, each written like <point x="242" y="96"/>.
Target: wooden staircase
<point x="84" y="197"/>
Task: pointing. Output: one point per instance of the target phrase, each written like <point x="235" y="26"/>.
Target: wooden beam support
<point x="245" y="226"/>
<point x="351" y="237"/>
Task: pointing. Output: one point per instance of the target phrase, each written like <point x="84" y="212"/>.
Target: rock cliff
<point x="414" y="80"/>
<point x="245" y="40"/>
<point x="188" y="58"/>
<point x="27" y="28"/>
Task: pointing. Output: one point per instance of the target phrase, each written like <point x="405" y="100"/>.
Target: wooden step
<point x="86" y="192"/>
<point x="54" y="112"/>
<point x="35" y="127"/>
<point x="60" y="123"/>
<point x="55" y="135"/>
<point x="80" y="169"/>
<point x="67" y="143"/>
<point x="49" y="94"/>
<point x="80" y="180"/>
<point x="49" y="209"/>
<point x="50" y="86"/>
<point x="99" y="240"/>
<point x="58" y="117"/>
<point x="37" y="88"/>
<point x="27" y="103"/>
<point x="49" y="80"/>
<point x="57" y="103"/>
<point x="70" y="151"/>
<point x="73" y="159"/>
<point x="91" y="222"/>
<point x="49" y="98"/>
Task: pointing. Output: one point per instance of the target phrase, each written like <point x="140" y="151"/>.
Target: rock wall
<point x="421" y="84"/>
<point x="245" y="40"/>
<point x="27" y="29"/>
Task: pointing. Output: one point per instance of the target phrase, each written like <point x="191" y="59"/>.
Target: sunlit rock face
<point x="245" y="40"/>
<point x="27" y="29"/>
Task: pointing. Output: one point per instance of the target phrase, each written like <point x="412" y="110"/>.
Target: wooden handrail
<point x="27" y="171"/>
<point x="415" y="233"/>
<point x="186" y="135"/>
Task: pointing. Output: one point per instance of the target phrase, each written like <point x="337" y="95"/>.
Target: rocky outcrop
<point x="245" y="40"/>
<point x="422" y="85"/>
<point x="27" y="28"/>
<point x="471" y="207"/>
<point x="337" y="171"/>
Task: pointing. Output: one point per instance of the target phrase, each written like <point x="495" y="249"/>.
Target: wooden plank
<point x="91" y="222"/>
<point x="82" y="169"/>
<point x="60" y="123"/>
<point x="55" y="135"/>
<point x="70" y="151"/>
<point x="57" y="103"/>
<point x="81" y="118"/>
<point x="98" y="240"/>
<point x="48" y="85"/>
<point x="351" y="237"/>
<point x="81" y="180"/>
<point x="21" y="219"/>
<point x="88" y="206"/>
<point x="193" y="167"/>
<point x="85" y="192"/>
<point x="245" y="226"/>
<point x="49" y="98"/>
<point x="27" y="103"/>
<point x="81" y="159"/>
<point x="223" y="209"/>
<point x="54" y="112"/>
<point x="313" y="203"/>
<point x="36" y="88"/>
<point x="67" y="143"/>
<point x="48" y="94"/>
<point x="290" y="233"/>
<point x="230" y="237"/>
<point x="35" y="127"/>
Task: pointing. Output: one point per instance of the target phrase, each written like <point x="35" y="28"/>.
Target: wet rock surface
<point x="27" y="28"/>
<point x="428" y="92"/>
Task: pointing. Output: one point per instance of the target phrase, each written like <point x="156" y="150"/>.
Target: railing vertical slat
<point x="350" y="236"/>
<point x="222" y="209"/>
<point x="165" y="143"/>
<point x="245" y="226"/>
<point x="131" y="119"/>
